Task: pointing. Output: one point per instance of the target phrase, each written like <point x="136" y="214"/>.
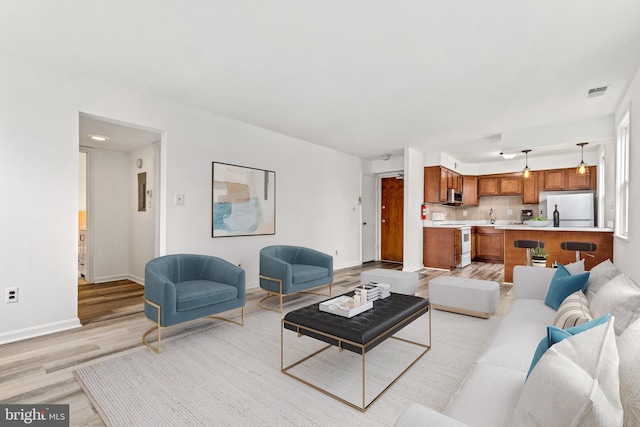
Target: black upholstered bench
<point x="358" y="334"/>
<point x="363" y="331"/>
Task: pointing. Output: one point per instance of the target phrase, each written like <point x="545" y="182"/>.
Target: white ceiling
<point x="122" y="136"/>
<point x="365" y="77"/>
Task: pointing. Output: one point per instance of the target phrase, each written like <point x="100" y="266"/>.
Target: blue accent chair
<point x="183" y="287"/>
<point x="287" y="270"/>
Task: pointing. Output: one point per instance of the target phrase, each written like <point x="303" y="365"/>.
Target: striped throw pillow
<point x="573" y="311"/>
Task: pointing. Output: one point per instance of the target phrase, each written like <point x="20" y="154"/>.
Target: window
<point x="622" y="178"/>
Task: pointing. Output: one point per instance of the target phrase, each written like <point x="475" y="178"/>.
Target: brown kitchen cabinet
<point x="530" y="193"/>
<point x="488" y="186"/>
<point x="470" y="191"/>
<point x="441" y="247"/>
<point x="500" y="185"/>
<point x="489" y="244"/>
<point x="454" y="180"/>
<point x="554" y="179"/>
<point x="437" y="180"/>
<point x="567" y="179"/>
<point x="473" y="243"/>
<point x="511" y="185"/>
<point x="581" y="182"/>
<point x="435" y="184"/>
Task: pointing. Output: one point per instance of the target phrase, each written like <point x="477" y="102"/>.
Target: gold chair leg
<point x="272" y="294"/>
<point x="157" y="326"/>
<point x="269" y="295"/>
<point x="318" y="293"/>
<point x="229" y="319"/>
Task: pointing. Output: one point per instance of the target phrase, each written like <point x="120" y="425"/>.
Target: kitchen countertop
<point x="504" y="225"/>
<point x="550" y="228"/>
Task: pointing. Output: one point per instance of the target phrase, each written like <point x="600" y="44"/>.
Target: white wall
<point x="108" y="232"/>
<point x="413" y="197"/>
<point x="82" y="184"/>
<point x="142" y="230"/>
<point x="625" y="252"/>
<point x="316" y="191"/>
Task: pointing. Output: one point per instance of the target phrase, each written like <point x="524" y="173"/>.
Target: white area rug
<point x="230" y="375"/>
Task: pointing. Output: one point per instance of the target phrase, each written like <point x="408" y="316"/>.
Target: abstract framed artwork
<point x="243" y="201"/>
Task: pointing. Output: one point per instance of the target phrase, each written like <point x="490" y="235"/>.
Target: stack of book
<point x="373" y="292"/>
<point x="384" y="289"/>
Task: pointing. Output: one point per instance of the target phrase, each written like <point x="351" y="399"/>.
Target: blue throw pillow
<point x="555" y="335"/>
<point x="564" y="284"/>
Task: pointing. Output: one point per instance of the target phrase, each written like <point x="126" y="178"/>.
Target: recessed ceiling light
<point x="508" y="156"/>
<point x="98" y="137"/>
<point x="596" y="91"/>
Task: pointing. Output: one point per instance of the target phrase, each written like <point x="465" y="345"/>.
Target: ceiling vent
<point x="597" y="91"/>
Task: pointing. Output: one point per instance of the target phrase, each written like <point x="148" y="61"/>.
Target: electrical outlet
<point x="179" y="199"/>
<point x="11" y="295"/>
<point x="464" y="213"/>
<point x="336" y="252"/>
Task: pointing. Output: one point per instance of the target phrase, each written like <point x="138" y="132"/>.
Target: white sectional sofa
<point x="496" y="391"/>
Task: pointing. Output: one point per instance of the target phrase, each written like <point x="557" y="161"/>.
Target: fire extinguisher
<point x="424" y="211"/>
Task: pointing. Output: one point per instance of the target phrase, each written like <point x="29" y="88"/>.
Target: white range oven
<point x="465" y="246"/>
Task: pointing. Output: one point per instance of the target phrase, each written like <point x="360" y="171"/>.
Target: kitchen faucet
<point x="491" y="218"/>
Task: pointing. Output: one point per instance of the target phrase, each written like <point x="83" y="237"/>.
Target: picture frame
<point x="243" y="201"/>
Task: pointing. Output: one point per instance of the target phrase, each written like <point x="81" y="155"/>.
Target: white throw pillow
<point x="620" y="297"/>
<point x="629" y="351"/>
<point x="574" y="384"/>
<point x="573" y="311"/>
<point x="600" y="275"/>
<point x="575" y="267"/>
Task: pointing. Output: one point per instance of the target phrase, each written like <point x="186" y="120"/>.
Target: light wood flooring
<point x="40" y="370"/>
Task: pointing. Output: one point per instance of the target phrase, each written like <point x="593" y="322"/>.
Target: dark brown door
<point x="392" y="217"/>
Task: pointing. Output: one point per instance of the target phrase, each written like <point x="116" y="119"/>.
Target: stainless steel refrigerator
<point x="576" y="210"/>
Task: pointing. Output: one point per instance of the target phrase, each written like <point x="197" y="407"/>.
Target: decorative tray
<point x="340" y="306"/>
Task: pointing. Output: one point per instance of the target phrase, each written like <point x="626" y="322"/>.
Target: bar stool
<point x="528" y="245"/>
<point x="578" y="247"/>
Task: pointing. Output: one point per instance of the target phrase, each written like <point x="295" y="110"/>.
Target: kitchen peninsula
<point x="552" y="237"/>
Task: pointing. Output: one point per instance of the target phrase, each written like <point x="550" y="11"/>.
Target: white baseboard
<point x="134" y="278"/>
<point x="414" y="268"/>
<point x="347" y="265"/>
<point x="113" y="278"/>
<point x="36" y="331"/>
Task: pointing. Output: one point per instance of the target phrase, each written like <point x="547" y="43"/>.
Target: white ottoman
<point x="402" y="282"/>
<point x="466" y="296"/>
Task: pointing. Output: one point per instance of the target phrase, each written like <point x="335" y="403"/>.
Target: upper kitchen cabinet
<point x="554" y="179"/>
<point x="454" y="180"/>
<point x="469" y="191"/>
<point x="488" y="186"/>
<point x="582" y="182"/>
<point x="432" y="184"/>
<point x="500" y="185"/>
<point x="530" y="193"/>
<point x="567" y="179"/>
<point x="437" y="180"/>
<point x="511" y="185"/>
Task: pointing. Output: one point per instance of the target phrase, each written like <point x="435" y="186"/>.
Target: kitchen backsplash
<point x="501" y="206"/>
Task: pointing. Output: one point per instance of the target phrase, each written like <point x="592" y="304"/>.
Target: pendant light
<point x="526" y="172"/>
<point x="582" y="168"/>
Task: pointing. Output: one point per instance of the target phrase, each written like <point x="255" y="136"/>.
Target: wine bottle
<point x="556" y="217"/>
